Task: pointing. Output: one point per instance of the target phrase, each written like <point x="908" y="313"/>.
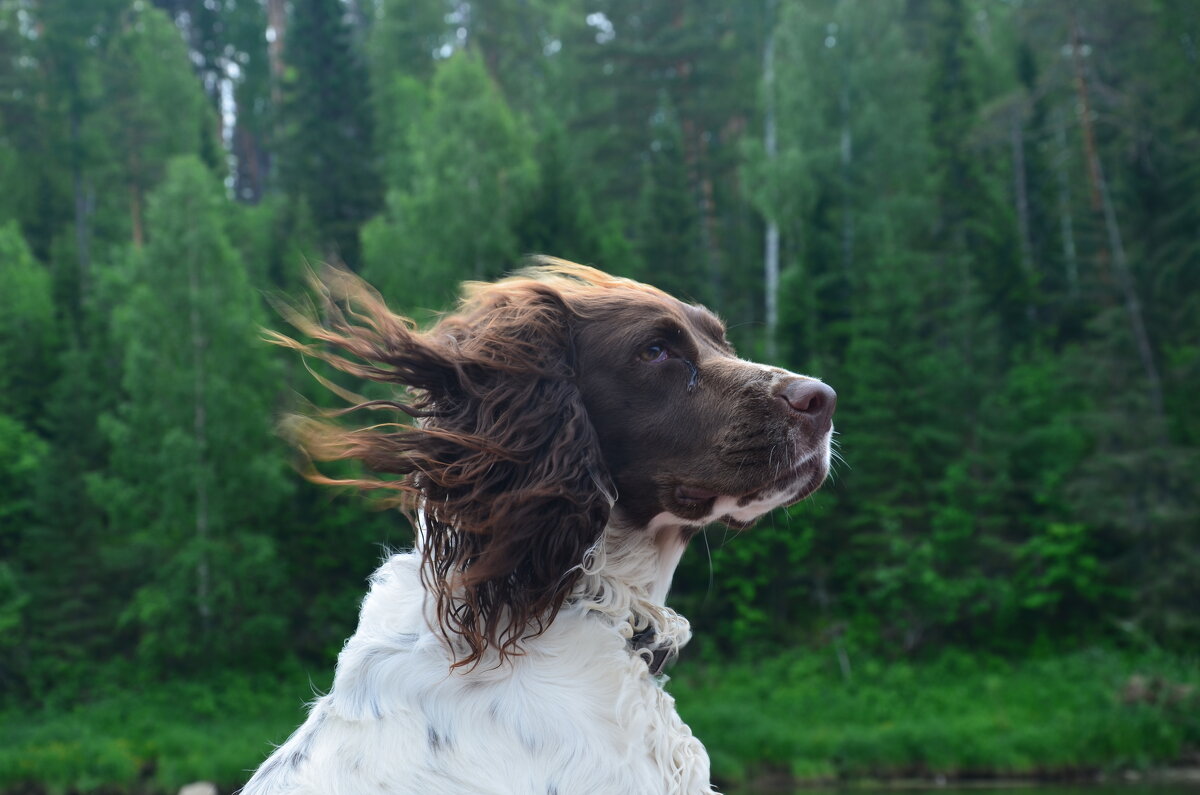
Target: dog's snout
<point x="812" y="399"/>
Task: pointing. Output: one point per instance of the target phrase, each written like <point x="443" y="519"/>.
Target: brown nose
<point x="811" y="399"/>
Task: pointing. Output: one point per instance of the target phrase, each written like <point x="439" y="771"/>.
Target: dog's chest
<point x="577" y="713"/>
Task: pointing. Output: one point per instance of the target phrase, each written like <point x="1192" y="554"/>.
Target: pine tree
<point x="472" y="173"/>
<point x="28" y="337"/>
<point x="668" y="232"/>
<point x="635" y="58"/>
<point x="194" y="480"/>
<point x="559" y="220"/>
<point x="28" y="331"/>
<point x="22" y="454"/>
<point x="154" y="109"/>
<point x="327" y="155"/>
<point x="55" y="92"/>
<point x="404" y="43"/>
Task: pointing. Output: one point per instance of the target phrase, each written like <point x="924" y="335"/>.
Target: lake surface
<point x="1189" y="787"/>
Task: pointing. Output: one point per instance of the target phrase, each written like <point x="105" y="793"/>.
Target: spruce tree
<point x="668" y="232"/>
<point x="28" y="336"/>
<point x="154" y="109"/>
<point x="326" y="152"/>
<point x="472" y="173"/>
<point x="194" y="480"/>
<point x="28" y="330"/>
<point x="559" y="219"/>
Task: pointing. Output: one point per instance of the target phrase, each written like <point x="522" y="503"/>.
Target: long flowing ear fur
<point x="502" y="464"/>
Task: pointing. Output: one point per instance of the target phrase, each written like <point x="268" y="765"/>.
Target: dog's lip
<point x="816" y="479"/>
<point x="793" y="475"/>
<point x="690" y="494"/>
<point x="694" y="495"/>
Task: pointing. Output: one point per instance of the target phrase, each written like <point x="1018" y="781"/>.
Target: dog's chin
<point x="698" y="505"/>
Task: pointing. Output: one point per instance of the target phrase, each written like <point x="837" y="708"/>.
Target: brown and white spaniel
<point x="572" y="432"/>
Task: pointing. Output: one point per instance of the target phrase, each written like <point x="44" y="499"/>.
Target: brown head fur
<point x="537" y="402"/>
<point x="502" y="468"/>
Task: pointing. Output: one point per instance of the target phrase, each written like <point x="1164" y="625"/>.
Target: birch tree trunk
<point x="83" y="248"/>
<point x="847" y="159"/>
<point x="200" y="431"/>
<point x="1066" y="220"/>
<point x="1103" y="201"/>
<point x="277" y="22"/>
<point x="1021" y="190"/>
<point x="1021" y="197"/>
<point x="136" y="224"/>
<point x="770" y="144"/>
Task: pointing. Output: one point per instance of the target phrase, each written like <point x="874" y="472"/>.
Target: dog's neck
<point x="626" y="579"/>
<point x="642" y="559"/>
<point x="670" y="543"/>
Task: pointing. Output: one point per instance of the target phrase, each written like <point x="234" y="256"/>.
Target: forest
<point x="979" y="220"/>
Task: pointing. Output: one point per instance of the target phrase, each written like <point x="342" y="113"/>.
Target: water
<point x="1165" y="787"/>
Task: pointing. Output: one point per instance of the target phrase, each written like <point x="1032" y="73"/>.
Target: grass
<point x="791" y="714"/>
<point x="154" y="738"/>
<point x="956" y="716"/>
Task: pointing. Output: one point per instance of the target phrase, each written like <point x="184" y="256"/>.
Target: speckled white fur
<point x="577" y="713"/>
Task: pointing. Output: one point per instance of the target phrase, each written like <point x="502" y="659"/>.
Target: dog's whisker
<point x="708" y="553"/>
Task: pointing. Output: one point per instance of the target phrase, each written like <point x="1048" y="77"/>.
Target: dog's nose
<point x="812" y="399"/>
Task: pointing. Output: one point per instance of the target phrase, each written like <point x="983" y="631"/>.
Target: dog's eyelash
<point x="655" y="353"/>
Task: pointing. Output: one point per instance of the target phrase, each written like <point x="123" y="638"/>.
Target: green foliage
<point x="472" y="170"/>
<point x="210" y="729"/>
<point x="957" y="715"/>
<point x="668" y="234"/>
<point x="28" y="331"/>
<point x="196" y="507"/>
<point x="400" y="52"/>
<point x="22" y="455"/>
<point x="154" y="108"/>
<point x="757" y="608"/>
<point x="948" y="264"/>
<point x="327" y="155"/>
<point x="559" y="217"/>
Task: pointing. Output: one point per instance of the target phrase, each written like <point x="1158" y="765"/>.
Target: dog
<point x="571" y="432"/>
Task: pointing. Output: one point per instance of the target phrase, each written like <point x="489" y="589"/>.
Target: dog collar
<point x="657" y="655"/>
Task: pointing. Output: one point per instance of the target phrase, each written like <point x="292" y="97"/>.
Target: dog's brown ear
<point x="503" y="467"/>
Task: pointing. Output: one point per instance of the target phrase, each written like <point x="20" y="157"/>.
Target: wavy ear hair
<point x="502" y="464"/>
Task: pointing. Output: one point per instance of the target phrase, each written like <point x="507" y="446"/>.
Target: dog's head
<point x="548" y="406"/>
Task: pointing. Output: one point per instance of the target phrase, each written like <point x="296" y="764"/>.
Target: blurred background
<point x="978" y="219"/>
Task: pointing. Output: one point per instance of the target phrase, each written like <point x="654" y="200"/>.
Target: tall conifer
<point x="194" y="506"/>
<point x="327" y="154"/>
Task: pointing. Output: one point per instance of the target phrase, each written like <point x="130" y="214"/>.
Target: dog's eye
<point x="654" y="353"/>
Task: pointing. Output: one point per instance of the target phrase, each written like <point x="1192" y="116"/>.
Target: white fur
<point x="577" y="713"/>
